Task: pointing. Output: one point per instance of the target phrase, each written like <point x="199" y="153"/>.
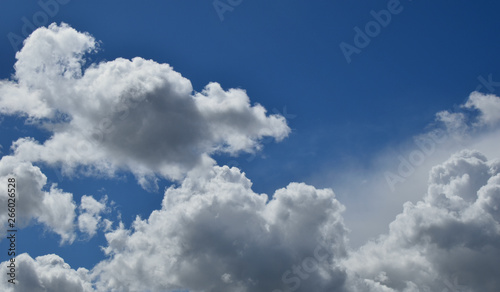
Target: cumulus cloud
<point x="47" y="273"/>
<point x="449" y="240"/>
<point x="460" y="123"/>
<point x="37" y="202"/>
<point x="90" y="217"/>
<point x="137" y="115"/>
<point x="54" y="208"/>
<point x="399" y="173"/>
<point x="488" y="105"/>
<point x="214" y="233"/>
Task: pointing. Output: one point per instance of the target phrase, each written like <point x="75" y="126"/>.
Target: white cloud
<point x="455" y="123"/>
<point x="53" y="208"/>
<point x="88" y="224"/>
<point x="488" y="105"/>
<point x="92" y="206"/>
<point x="450" y="238"/>
<point x="214" y="233"/>
<point x="47" y="273"/>
<point x="90" y="217"/>
<point x="400" y="172"/>
<point x="136" y="115"/>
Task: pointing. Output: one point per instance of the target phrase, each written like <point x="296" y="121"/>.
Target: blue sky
<point x="348" y="121"/>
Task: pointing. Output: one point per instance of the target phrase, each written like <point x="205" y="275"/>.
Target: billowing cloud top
<point x="449" y="241"/>
<point x="214" y="233"/>
<point x="136" y="115"/>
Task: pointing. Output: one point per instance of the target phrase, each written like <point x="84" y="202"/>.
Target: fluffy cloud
<point x="90" y="217"/>
<point x="448" y="241"/>
<point x="214" y="233"/>
<point x="37" y="202"/>
<point x="461" y="123"/>
<point x="53" y="208"/>
<point x="488" y="106"/>
<point x="136" y="115"/>
<point x="47" y="273"/>
<point x="400" y="172"/>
